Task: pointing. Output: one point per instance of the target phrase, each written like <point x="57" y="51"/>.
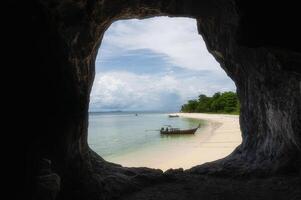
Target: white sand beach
<point x="217" y="139"/>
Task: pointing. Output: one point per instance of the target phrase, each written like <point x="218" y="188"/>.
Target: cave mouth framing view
<point x="257" y="43"/>
<point x="147" y="69"/>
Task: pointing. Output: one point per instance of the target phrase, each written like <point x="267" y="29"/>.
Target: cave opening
<point x="146" y="69"/>
<point x="255" y="44"/>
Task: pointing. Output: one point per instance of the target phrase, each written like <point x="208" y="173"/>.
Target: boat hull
<point x="172" y="132"/>
<point x="173" y="115"/>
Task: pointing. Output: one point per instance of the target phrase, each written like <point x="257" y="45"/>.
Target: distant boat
<point x="170" y="130"/>
<point x="136" y="114"/>
<point x="173" y="115"/>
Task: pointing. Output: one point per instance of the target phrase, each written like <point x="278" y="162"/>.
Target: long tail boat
<point x="171" y="115"/>
<point x="170" y="130"/>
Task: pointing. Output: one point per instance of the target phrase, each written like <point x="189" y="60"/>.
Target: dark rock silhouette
<point x="48" y="183"/>
<point x="256" y="43"/>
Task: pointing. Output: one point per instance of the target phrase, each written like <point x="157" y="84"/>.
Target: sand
<point x="217" y="139"/>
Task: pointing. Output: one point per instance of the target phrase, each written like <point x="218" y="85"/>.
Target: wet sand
<point x="217" y="139"/>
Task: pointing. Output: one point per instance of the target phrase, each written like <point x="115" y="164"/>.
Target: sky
<point x="154" y="64"/>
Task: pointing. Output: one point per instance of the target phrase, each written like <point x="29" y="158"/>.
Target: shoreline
<point x="217" y="139"/>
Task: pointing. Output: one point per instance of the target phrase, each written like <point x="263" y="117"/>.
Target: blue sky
<point x="154" y="64"/>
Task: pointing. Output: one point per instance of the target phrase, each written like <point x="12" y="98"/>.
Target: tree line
<point x="226" y="102"/>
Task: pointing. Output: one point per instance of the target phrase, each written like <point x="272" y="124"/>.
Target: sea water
<point x="120" y="133"/>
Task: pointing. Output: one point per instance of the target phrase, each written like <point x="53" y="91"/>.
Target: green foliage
<point x="190" y="106"/>
<point x="226" y="102"/>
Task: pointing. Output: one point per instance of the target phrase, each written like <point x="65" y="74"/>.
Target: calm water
<point x="120" y="133"/>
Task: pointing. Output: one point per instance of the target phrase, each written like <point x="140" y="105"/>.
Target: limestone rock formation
<point x="256" y="43"/>
<point x="48" y="183"/>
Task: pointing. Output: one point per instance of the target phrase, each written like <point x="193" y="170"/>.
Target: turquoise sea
<point x="118" y="133"/>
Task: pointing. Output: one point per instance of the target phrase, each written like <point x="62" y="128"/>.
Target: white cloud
<point x="125" y="90"/>
<point x="176" y="38"/>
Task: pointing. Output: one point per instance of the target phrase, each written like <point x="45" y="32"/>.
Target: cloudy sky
<point x="154" y="64"/>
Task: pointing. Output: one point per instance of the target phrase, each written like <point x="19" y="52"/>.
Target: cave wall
<point x="256" y="44"/>
<point x="257" y="54"/>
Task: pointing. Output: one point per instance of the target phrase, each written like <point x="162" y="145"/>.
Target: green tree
<point x="226" y="102"/>
<point x="204" y="103"/>
<point x="190" y="106"/>
<point x="230" y="101"/>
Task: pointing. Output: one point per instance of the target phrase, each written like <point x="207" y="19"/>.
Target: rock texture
<point x="257" y="44"/>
